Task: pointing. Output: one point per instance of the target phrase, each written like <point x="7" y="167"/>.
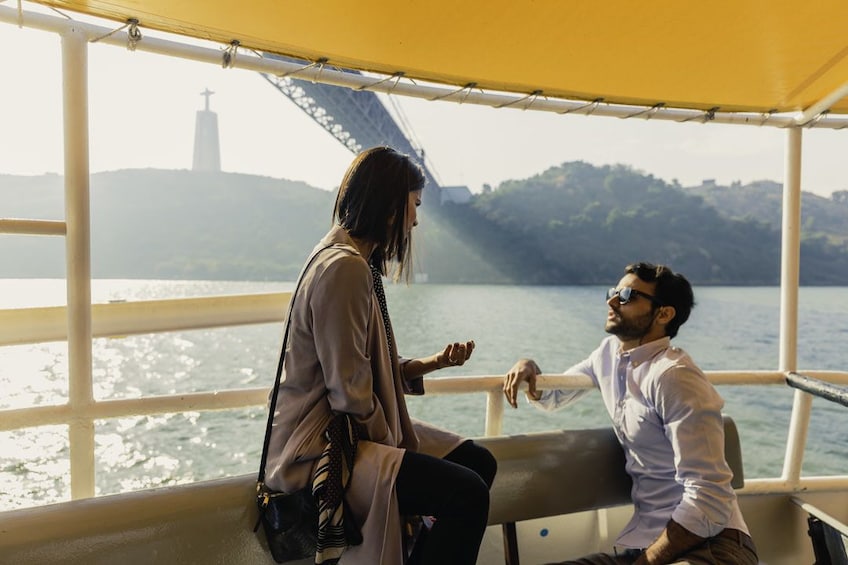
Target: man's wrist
<point x="534" y="396"/>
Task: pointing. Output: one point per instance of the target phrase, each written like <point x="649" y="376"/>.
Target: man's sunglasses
<point x="626" y="294"/>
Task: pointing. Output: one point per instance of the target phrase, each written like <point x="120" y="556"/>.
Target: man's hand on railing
<point x="525" y="370"/>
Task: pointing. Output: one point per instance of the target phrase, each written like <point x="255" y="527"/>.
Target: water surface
<point x="730" y="328"/>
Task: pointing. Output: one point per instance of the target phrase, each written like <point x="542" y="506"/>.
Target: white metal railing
<point x="80" y="321"/>
<point x="36" y="325"/>
<point x="119" y="319"/>
<point x="32" y="227"/>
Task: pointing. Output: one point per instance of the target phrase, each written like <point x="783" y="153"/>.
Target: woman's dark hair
<point x="372" y="202"/>
<point x="672" y="289"/>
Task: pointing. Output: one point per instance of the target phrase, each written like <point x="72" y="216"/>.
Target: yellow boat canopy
<point x="726" y="55"/>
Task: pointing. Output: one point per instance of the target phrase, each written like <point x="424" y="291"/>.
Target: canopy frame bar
<point x="815" y="117"/>
<point x="820" y="108"/>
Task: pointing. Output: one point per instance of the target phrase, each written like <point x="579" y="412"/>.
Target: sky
<point x="143" y="108"/>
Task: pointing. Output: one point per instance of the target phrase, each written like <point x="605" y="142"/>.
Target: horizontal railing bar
<point x="34" y="325"/>
<point x="59" y="414"/>
<point x="818" y="387"/>
<point x="806" y="484"/>
<point x="482" y="383"/>
<point x="49" y="415"/>
<point x="17" y="418"/>
<point x="191" y="402"/>
<point x="33" y="227"/>
<point x="43" y="324"/>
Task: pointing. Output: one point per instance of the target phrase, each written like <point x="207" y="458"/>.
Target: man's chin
<point x="615" y="329"/>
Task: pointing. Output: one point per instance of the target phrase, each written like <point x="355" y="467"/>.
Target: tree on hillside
<point x="570" y="224"/>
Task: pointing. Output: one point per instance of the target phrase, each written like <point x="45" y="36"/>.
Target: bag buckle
<point x="262" y="499"/>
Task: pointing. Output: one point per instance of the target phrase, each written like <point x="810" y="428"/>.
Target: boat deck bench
<point x="539" y="475"/>
<point x="567" y="471"/>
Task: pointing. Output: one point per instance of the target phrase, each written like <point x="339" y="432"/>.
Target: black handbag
<point x="290" y="520"/>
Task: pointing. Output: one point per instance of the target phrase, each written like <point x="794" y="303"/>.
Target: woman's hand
<point x="455" y="354"/>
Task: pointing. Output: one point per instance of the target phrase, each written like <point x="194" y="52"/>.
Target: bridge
<point x="356" y="118"/>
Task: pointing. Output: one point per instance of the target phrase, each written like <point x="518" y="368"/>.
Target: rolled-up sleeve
<point x="690" y="409"/>
<point x="552" y="400"/>
<point x="413" y="386"/>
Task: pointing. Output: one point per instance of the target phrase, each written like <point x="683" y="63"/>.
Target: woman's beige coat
<point x="337" y="360"/>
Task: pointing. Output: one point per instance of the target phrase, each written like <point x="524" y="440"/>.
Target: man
<point x="667" y="417"/>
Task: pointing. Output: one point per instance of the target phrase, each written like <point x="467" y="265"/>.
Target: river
<point x="730" y="328"/>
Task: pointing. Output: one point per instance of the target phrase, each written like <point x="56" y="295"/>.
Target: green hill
<point x="572" y="224"/>
<point x="173" y="225"/>
<point x="762" y="201"/>
<point x="582" y="223"/>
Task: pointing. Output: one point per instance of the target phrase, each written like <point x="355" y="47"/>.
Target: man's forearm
<point x="674" y="541"/>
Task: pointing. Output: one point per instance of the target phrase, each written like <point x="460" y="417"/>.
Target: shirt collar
<point x="644" y="352"/>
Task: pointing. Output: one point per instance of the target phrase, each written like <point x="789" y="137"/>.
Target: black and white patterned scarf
<point x="384" y="309"/>
<point x="336" y="526"/>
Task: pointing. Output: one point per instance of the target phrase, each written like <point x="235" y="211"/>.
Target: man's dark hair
<point x="672" y="289"/>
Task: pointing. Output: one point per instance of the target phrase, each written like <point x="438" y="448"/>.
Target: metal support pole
<point x="78" y="258"/>
<point x="789" y="280"/>
<point x="494" y="412"/>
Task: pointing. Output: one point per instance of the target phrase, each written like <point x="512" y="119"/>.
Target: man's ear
<point x="665" y="314"/>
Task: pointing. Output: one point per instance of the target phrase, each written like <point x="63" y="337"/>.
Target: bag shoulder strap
<point x="276" y="390"/>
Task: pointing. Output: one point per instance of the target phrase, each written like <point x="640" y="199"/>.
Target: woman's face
<point x="412" y="210"/>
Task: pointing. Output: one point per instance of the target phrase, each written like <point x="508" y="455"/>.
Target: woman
<point x="341" y="359"/>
